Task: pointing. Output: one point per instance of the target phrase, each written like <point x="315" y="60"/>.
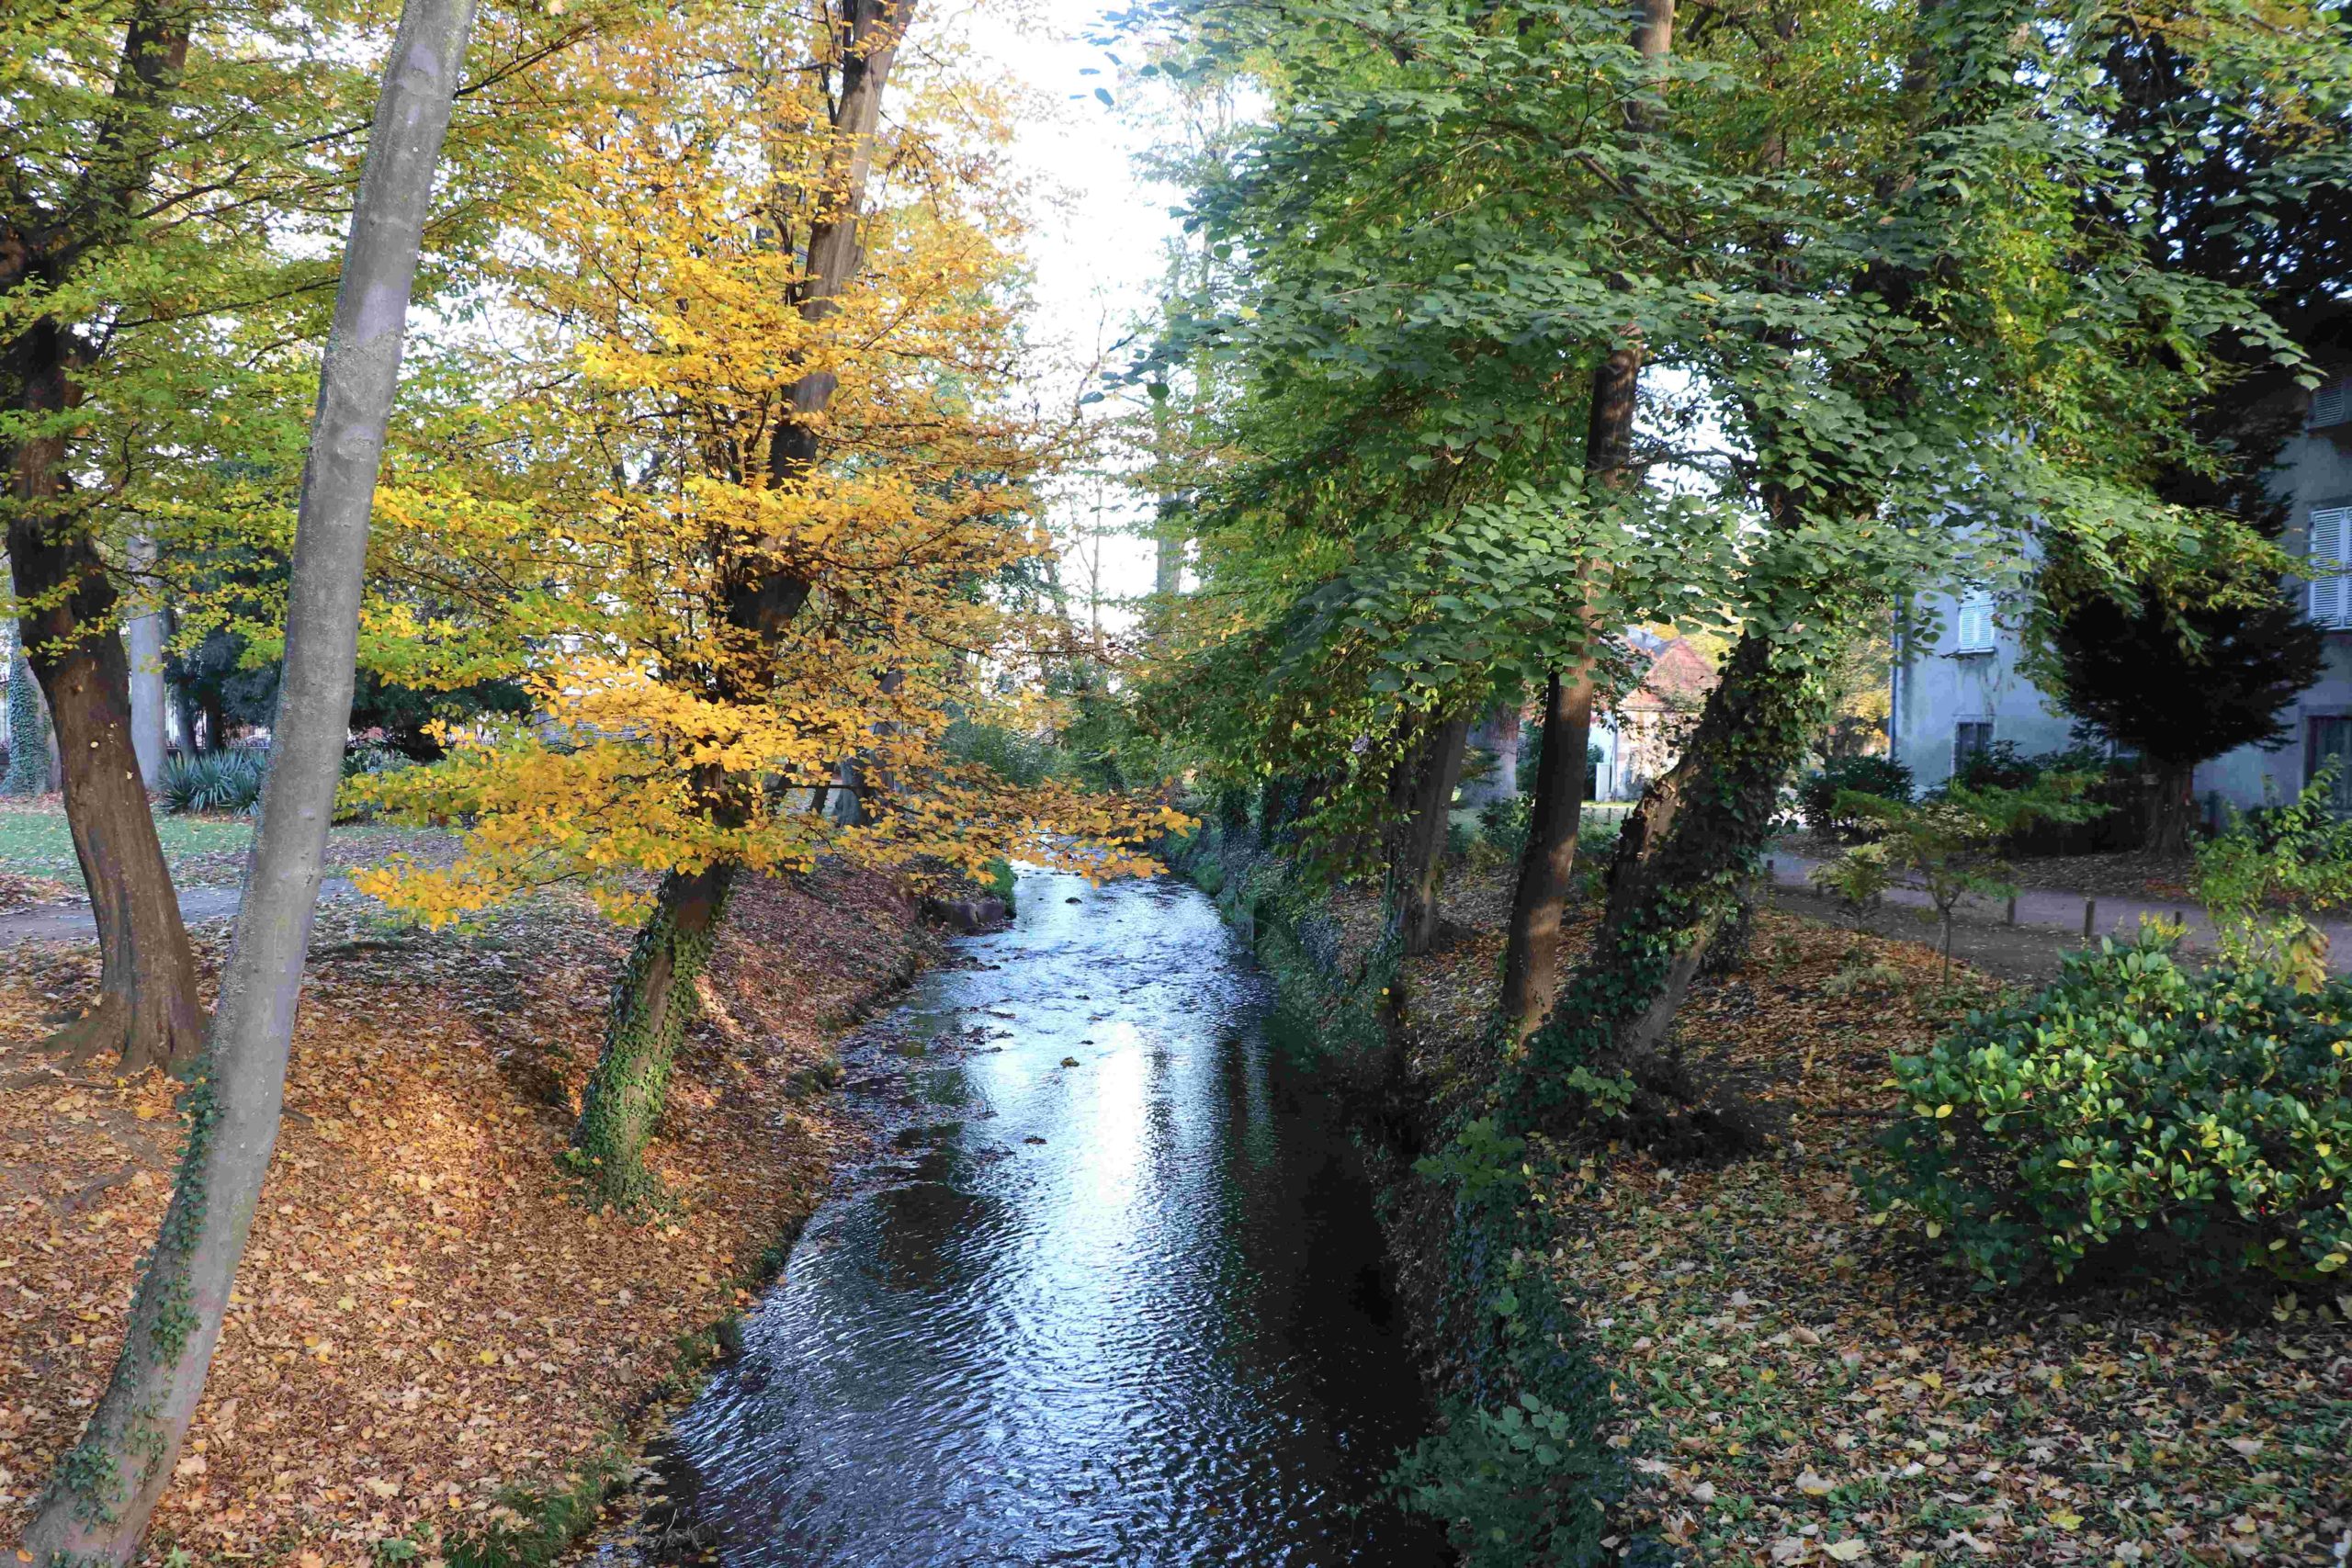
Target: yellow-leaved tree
<point x="725" y="465"/>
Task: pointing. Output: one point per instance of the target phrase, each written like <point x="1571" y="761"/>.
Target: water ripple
<point x="1126" y="1312"/>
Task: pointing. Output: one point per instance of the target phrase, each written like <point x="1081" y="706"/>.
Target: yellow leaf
<point x="2067" y="1521"/>
<point x="1942" y="1112"/>
<point x="1845" y="1550"/>
<point x="488" y="1357"/>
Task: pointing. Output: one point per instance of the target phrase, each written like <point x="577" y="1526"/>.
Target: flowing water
<point x="1118" y="1300"/>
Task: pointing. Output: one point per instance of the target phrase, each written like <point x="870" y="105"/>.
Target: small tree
<point x="2181" y="675"/>
<point x="1950" y="841"/>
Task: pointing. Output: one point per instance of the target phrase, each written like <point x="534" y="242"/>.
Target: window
<point x="1971" y="739"/>
<point x="1973" y="624"/>
<point x="2332" y="742"/>
<point x="2332" y="405"/>
<point x="2330" y="546"/>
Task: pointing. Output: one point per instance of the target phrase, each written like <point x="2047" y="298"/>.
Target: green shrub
<point x="215" y="781"/>
<point x="1881" y="776"/>
<point x="1025" y="759"/>
<point x="1503" y="824"/>
<point x="366" y="758"/>
<point x="2134" y="1110"/>
<point x="2259" y="879"/>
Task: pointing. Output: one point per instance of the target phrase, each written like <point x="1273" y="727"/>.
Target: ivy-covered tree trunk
<point x="654" y="1001"/>
<point x="1686" y="851"/>
<point x="105" y="1489"/>
<point x="1696" y="835"/>
<point x="1548" y="864"/>
<point x="1427" y="780"/>
<point x="29" y="767"/>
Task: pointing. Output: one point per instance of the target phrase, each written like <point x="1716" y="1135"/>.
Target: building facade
<point x="1959" y="689"/>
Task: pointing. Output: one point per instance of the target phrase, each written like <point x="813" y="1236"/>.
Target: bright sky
<point x="1098" y="238"/>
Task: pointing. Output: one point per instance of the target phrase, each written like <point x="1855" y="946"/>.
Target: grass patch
<point x="36" y="841"/>
<point x="202" y="848"/>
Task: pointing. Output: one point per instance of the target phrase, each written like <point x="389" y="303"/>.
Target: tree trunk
<point x="1506" y="738"/>
<point x="187" y="711"/>
<point x="1428" y="779"/>
<point x="654" y="1001"/>
<point x="1539" y="900"/>
<point x="2172" y="809"/>
<point x="98" y="1502"/>
<point x="759" y="601"/>
<point x="146" y="1010"/>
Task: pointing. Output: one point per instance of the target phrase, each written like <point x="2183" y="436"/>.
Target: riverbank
<point x="1782" y="1379"/>
<point x="428" y="1332"/>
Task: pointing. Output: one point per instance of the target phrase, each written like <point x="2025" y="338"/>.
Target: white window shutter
<point x="2332" y="405"/>
<point x="2330" y="545"/>
<point x="1973" y="624"/>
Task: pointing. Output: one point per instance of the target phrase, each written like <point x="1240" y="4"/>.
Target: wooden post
<point x="2009" y="917"/>
<point x="2090" y="915"/>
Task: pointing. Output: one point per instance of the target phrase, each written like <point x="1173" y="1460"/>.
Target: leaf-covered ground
<point x="426" y="1314"/>
<point x="1797" y="1384"/>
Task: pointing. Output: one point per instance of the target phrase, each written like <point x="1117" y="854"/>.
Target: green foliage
<point x="214" y="781"/>
<point x="1514" y="1481"/>
<point x="1481" y="1161"/>
<point x="2259" y="879"/>
<point x="1504" y="823"/>
<point x="1002" y="882"/>
<point x="1881" y="776"/>
<point x="1520" y="1471"/>
<point x="1856" y="878"/>
<point x="2178" y="1121"/>
<point x="1025" y="760"/>
<point x="1949" y="839"/>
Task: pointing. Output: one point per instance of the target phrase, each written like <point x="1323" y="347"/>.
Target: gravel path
<point x="72" y="922"/>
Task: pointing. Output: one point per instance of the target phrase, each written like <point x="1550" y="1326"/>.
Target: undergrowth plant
<point x="213" y="781"/>
<point x="2261" y="881"/>
<point x="1950" y="841"/>
<point x="2186" y="1124"/>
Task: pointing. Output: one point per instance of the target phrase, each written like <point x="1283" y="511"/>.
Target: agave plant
<point x="215" y="781"/>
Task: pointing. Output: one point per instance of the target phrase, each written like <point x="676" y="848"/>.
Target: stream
<point x="1128" y="1312"/>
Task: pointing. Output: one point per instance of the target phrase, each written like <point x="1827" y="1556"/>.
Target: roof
<point x="1678" y="680"/>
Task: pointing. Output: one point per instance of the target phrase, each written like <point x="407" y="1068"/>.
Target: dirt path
<point x="2048" y="922"/>
<point x="72" y="922"/>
